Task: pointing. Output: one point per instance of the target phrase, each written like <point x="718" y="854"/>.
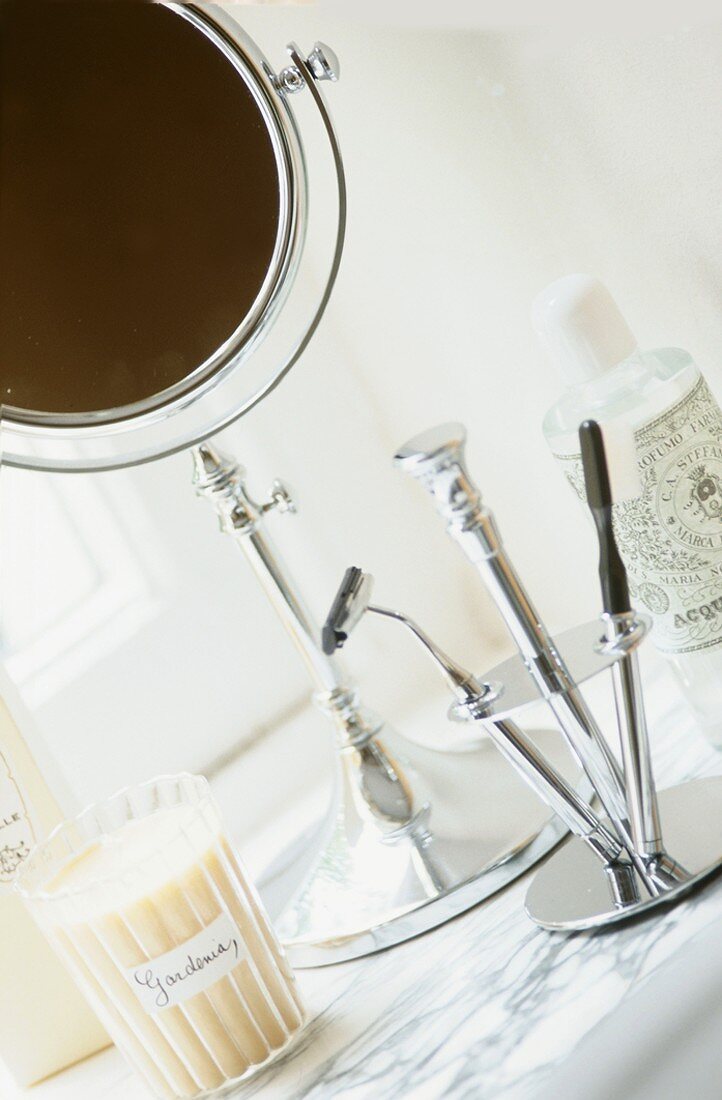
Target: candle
<point x="45" y="1022"/>
<point x="150" y="907"/>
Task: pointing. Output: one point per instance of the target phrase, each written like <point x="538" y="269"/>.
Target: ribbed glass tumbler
<point x="149" y="906"/>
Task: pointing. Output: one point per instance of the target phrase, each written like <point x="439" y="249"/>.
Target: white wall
<point x="481" y="165"/>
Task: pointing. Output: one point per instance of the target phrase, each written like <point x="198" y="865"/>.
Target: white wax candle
<point x="158" y="918"/>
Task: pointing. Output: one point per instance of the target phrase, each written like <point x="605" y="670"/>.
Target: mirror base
<point x="474" y="829"/>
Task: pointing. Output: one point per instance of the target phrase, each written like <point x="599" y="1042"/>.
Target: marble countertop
<point x="490" y="1006"/>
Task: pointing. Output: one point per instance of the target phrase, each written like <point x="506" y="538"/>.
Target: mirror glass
<point x="142" y="207"/>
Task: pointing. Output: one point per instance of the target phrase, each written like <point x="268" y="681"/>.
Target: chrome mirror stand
<point x="412" y="836"/>
<point x="647" y="850"/>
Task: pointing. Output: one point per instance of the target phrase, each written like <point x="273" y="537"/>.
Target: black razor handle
<point x="612" y="572"/>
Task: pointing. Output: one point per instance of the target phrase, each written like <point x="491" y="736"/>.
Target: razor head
<point x="349" y="604"/>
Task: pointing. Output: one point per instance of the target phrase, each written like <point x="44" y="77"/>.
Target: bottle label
<point x="186" y="970"/>
<point x="670" y="538"/>
<point x="17" y="835"/>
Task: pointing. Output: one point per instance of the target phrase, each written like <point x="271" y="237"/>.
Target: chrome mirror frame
<point x="252" y="362"/>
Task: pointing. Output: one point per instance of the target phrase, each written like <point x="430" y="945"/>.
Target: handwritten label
<point x="190" y="968"/>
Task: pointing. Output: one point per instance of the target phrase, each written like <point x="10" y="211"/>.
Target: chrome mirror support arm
<point x="222" y="480"/>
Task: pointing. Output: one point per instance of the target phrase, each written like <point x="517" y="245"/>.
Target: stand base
<point x="571" y="892"/>
<point x="476" y="828"/>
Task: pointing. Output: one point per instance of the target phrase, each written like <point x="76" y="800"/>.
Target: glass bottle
<point x="671" y="536"/>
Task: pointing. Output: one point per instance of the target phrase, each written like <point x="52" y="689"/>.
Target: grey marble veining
<point x="486" y="1006"/>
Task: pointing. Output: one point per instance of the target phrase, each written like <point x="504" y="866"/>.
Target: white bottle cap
<point x="580" y="327"/>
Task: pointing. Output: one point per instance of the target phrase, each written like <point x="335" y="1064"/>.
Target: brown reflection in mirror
<point x="139" y="202"/>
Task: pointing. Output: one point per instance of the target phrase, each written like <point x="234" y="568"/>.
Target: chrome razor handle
<point x="436" y="459"/>
<point x="473" y="700"/>
<point x="624" y="632"/>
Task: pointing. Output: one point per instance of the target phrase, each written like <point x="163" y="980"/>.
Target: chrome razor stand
<point x="579" y="887"/>
<point x="408" y="842"/>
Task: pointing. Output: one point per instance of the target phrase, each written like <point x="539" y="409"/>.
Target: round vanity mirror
<point x="160" y="271"/>
<point x="152" y="221"/>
